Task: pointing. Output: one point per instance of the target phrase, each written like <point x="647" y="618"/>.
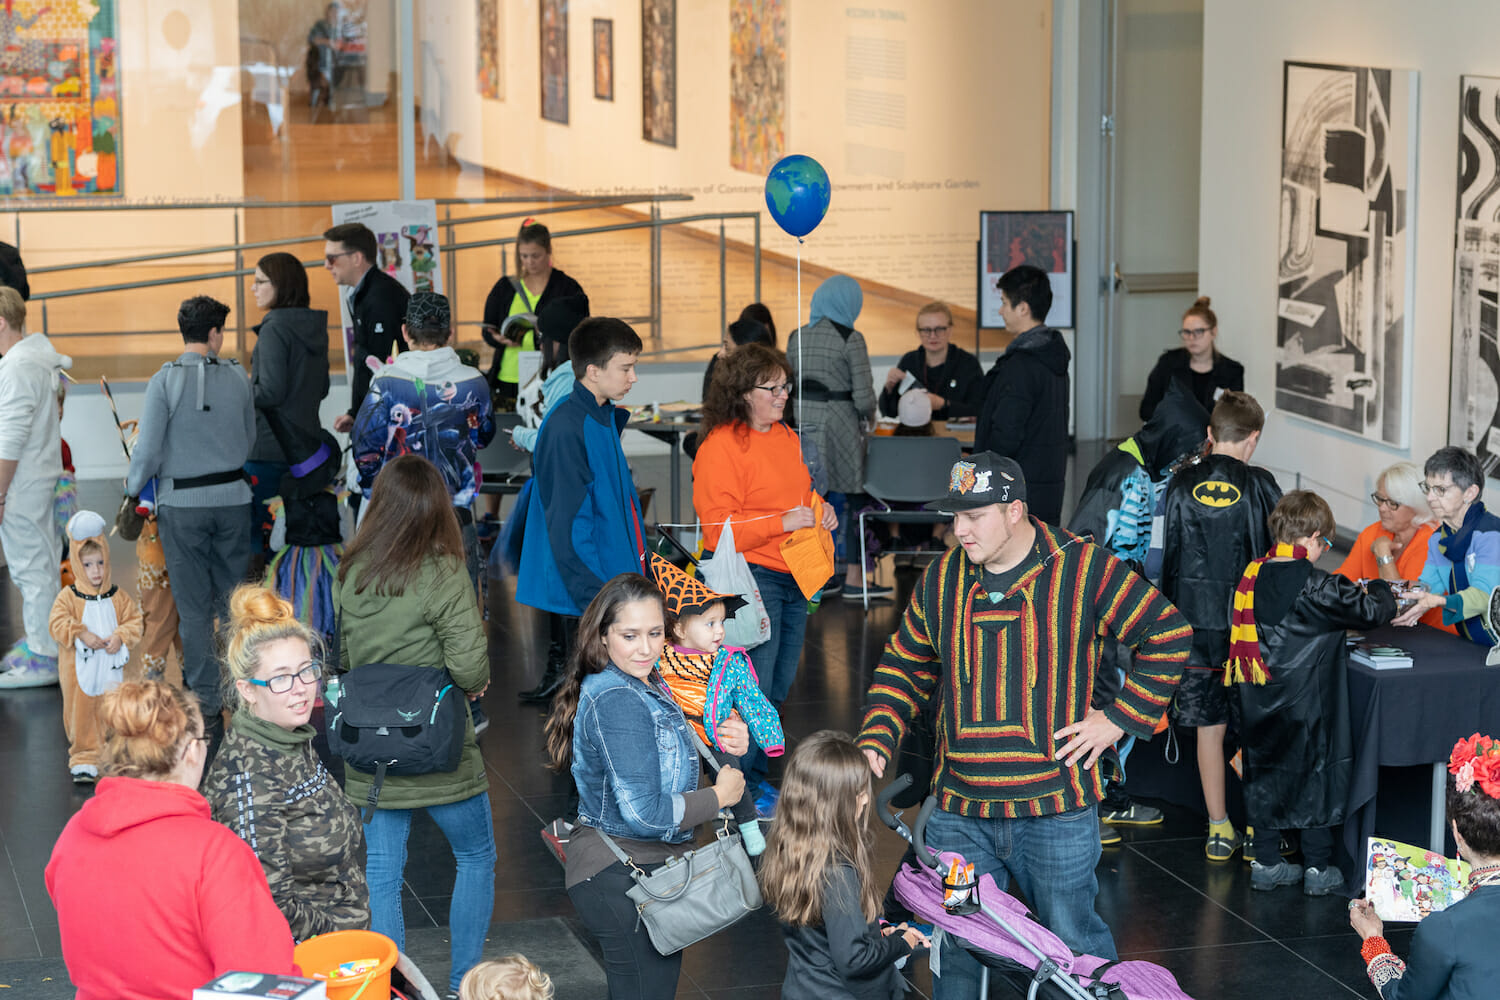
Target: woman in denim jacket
<point x="632" y="756"/>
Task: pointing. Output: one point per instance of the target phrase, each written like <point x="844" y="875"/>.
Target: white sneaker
<point x="84" y="774"/>
<point x="25" y="669"/>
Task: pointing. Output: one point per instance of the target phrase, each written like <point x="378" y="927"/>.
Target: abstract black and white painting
<point x="1347" y="217"/>
<point x="1474" y="419"/>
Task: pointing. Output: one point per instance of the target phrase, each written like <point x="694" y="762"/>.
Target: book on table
<point x="266" y="986"/>
<point x="1407" y="883"/>
<point x="1378" y="656"/>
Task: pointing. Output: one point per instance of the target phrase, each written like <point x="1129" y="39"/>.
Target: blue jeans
<point x="776" y="659"/>
<point x="471" y="834"/>
<point x="1051" y="859"/>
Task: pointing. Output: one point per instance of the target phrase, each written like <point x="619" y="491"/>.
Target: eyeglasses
<point x="1436" y="491"/>
<point x="933" y="331"/>
<point x="1326" y="543"/>
<point x="1385" y="502"/>
<point x="784" y="389"/>
<point x="331" y="257"/>
<point x="1199" y="331"/>
<point x="282" y="683"/>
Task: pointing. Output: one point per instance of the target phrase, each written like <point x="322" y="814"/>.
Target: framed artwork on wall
<point x="1041" y="239"/>
<point x="1344" y="270"/>
<point x="659" y="71"/>
<point x="554" y="50"/>
<point x="490" y="79"/>
<point x="1474" y="415"/>
<point x="61" y="90"/>
<point x="604" y="59"/>
<point x="757" y="84"/>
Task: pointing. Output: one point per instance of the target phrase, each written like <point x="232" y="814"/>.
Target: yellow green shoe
<point x="1221" y="848"/>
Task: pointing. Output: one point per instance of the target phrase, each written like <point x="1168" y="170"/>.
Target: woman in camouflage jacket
<point x="268" y="785"/>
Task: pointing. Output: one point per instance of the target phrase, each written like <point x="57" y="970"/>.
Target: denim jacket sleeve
<point x="625" y="731"/>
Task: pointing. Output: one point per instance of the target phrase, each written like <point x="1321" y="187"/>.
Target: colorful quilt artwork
<point x="59" y="99"/>
<point x="757" y="84"/>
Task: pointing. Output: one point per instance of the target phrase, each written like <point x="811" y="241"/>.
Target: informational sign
<point x="1041" y="239"/>
<point x="406" y="242"/>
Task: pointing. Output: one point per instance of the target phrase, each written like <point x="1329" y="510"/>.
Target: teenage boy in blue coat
<point x="583" y="517"/>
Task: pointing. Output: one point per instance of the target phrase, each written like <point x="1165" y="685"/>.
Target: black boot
<point x="551" y="680"/>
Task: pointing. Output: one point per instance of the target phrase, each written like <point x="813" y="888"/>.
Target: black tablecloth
<point x="1406" y="717"/>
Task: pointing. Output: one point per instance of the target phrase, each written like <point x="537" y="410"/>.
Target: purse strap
<point x="624" y="858"/>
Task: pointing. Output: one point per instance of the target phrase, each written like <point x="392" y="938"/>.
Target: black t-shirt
<point x="999" y="583"/>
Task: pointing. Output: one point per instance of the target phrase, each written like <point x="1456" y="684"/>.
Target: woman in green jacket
<point x="267" y="784"/>
<point x="403" y="597"/>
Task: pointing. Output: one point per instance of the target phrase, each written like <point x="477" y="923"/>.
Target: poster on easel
<point x="406" y="248"/>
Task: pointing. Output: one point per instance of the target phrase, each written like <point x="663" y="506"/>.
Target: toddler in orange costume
<point x="94" y="623"/>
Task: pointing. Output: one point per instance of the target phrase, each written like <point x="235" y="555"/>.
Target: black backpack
<point x="391" y="718"/>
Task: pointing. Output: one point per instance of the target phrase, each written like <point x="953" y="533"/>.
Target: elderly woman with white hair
<point x="1395" y="547"/>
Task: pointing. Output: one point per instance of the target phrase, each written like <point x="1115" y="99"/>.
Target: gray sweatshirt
<point x="199" y="419"/>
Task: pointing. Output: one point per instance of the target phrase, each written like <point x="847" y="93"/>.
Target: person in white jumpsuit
<point x="30" y="464"/>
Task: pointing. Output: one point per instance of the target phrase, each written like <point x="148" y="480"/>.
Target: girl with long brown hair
<point x="403" y="597"/>
<point x="632" y="755"/>
<point x="816" y="875"/>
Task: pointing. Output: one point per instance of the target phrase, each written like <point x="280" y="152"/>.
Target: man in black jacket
<point x="377" y="305"/>
<point x="1025" y="411"/>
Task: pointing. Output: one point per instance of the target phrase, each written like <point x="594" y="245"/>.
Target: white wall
<point x="1244" y="45"/>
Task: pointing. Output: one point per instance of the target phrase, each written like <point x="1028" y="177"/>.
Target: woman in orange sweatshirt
<point x="750" y="471"/>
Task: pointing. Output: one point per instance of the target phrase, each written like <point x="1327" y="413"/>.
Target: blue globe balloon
<point x="797" y="193"/>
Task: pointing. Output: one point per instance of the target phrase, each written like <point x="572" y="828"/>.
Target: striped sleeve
<point x="908" y="673"/>
<point x="1140" y="617"/>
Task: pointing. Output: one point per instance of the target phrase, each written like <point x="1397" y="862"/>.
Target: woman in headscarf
<point x="831" y="371"/>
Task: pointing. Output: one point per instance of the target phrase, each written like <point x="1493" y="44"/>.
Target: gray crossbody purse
<point x="696" y="895"/>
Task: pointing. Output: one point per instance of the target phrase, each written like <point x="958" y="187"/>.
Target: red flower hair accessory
<point x="1476" y="760"/>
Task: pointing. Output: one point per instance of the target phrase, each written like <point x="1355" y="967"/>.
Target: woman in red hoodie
<point x="153" y="897"/>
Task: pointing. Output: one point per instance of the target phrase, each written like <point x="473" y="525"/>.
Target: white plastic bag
<point x="727" y="572"/>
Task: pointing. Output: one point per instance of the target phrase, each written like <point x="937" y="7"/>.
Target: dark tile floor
<point x="1164" y="901"/>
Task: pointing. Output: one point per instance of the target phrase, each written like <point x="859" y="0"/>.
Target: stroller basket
<point x="1006" y="937"/>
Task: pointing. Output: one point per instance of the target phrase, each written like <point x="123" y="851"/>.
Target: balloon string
<point x="799" y="339"/>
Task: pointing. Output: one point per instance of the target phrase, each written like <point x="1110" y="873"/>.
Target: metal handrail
<point x="293" y="240"/>
<point x="67" y="205"/>
<point x="655" y="224"/>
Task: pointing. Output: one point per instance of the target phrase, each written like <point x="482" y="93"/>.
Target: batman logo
<point x="1215" y="493"/>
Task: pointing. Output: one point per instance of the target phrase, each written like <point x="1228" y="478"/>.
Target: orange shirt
<point x="753" y="477"/>
<point x="1361" y="562"/>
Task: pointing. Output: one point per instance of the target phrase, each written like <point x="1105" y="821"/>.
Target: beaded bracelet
<point x="1373" y="946"/>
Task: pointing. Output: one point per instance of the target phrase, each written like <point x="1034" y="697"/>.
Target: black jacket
<point x="497" y="307"/>
<point x="1178" y="427"/>
<point x="1213" y="524"/>
<point x="1025" y="416"/>
<point x="379" y="308"/>
<point x="1295" y="728"/>
<point x="959" y="380"/>
<point x="288" y="374"/>
<point x="845" y="957"/>
<point x="1174" y="366"/>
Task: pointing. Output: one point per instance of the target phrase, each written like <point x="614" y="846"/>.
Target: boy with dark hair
<point x="200" y="316"/>
<point x="429" y="403"/>
<point x="1210" y="523"/>
<point x="583" y="517"/>
<point x="377" y="307"/>
<point x="1463" y="555"/>
<point x="1025" y="410"/>
<point x="1287" y="660"/>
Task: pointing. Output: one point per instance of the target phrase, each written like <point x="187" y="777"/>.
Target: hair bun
<point x="1201" y="302"/>
<point x="135" y="709"/>
<point x="252" y="605"/>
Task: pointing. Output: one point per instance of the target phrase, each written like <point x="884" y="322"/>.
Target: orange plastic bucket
<point x="321" y="956"/>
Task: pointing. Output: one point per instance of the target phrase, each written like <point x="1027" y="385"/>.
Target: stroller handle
<point x="918" y="839"/>
<point x="883" y="802"/>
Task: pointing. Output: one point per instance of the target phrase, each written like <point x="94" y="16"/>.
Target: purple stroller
<point x="1003" y="935"/>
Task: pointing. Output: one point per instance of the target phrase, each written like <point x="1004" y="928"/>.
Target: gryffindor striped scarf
<point x="1245" y="664"/>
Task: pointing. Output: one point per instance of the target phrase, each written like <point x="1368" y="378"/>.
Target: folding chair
<point x="905" y="470"/>
<point x="505" y="468"/>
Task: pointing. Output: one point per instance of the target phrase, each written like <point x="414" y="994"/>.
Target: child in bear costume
<point x="95" y="623"/>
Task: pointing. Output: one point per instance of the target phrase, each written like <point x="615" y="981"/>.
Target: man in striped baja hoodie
<point x="1005" y="632"/>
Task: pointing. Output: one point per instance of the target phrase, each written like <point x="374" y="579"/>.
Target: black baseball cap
<point x="980" y="480"/>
